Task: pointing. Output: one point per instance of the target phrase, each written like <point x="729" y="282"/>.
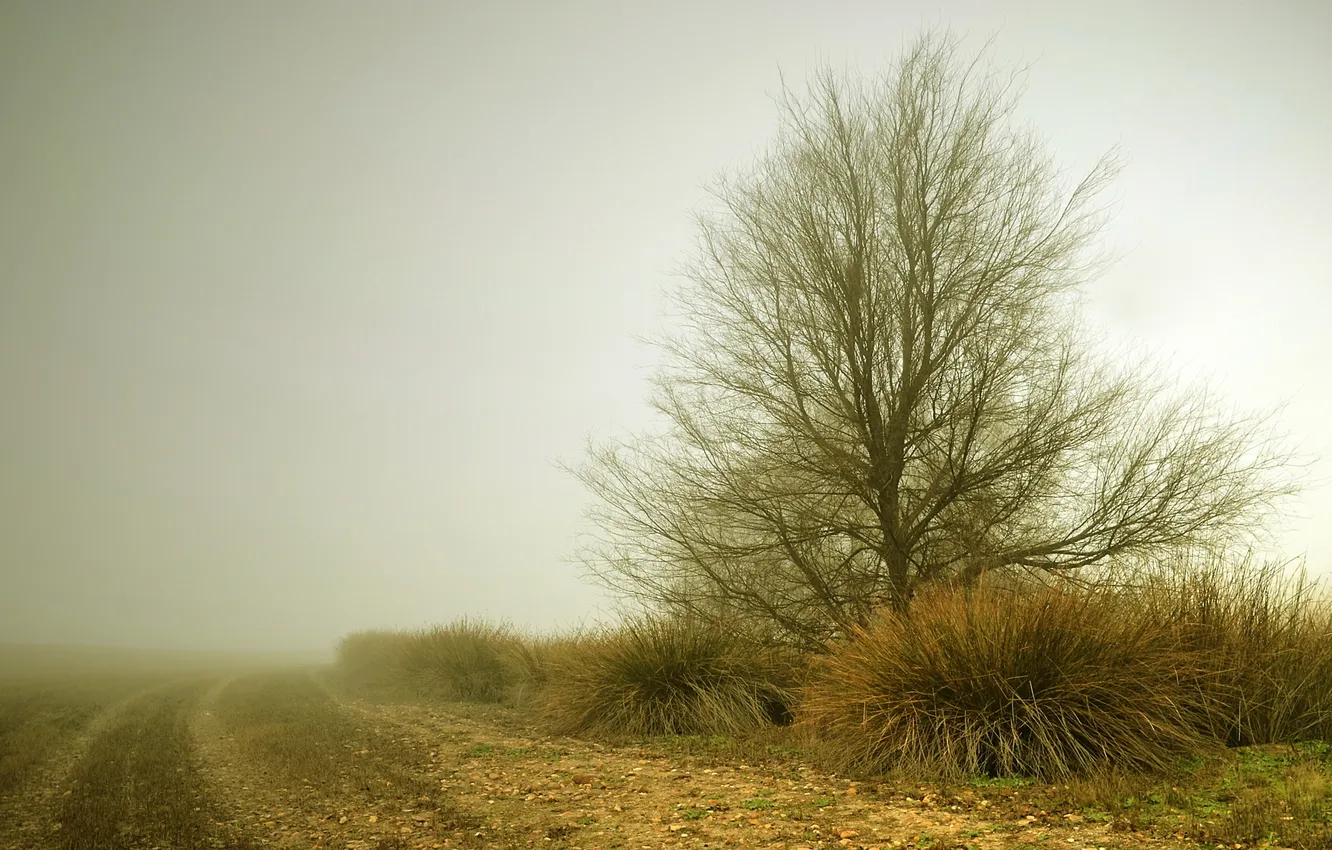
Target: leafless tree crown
<point x="880" y="380"/>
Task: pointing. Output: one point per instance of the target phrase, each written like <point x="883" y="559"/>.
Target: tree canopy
<point x="881" y="379"/>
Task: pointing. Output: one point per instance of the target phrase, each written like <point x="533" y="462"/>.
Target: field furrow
<point x="139" y="785"/>
<point x="311" y="773"/>
<point x="46" y="725"/>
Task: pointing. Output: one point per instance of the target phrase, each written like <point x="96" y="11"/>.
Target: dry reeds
<point x="1047" y="682"/>
<point x="664" y="676"/>
<point x="1043" y="679"/>
<point x="464" y="660"/>
<point x="1265" y="636"/>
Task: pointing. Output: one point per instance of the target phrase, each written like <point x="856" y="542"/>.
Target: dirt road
<point x="278" y="759"/>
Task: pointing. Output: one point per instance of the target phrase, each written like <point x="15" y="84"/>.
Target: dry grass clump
<point x="463" y="660"/>
<point x="664" y="676"/>
<point x="370" y="658"/>
<point x="1047" y="682"/>
<point x="1266" y="638"/>
<point x="531" y="661"/>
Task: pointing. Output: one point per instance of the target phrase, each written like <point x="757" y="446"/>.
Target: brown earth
<point x="531" y="790"/>
<point x="284" y="761"/>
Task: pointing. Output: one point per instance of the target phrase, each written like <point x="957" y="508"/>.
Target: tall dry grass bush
<point x="530" y="662"/>
<point x="1265" y="635"/>
<point x="370" y="659"/>
<point x="464" y="660"/>
<point x="1048" y="681"/>
<point x="666" y="676"/>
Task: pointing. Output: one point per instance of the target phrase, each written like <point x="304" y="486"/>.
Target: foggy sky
<point x="301" y="302"/>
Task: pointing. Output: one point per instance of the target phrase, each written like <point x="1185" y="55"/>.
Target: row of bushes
<point x="1051" y="680"/>
<point x="1038" y="680"/>
<point x="649" y="676"/>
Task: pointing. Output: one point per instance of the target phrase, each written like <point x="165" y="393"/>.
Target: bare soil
<point x="531" y="790"/>
<point x="281" y="760"/>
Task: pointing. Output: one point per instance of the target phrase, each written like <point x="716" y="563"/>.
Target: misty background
<point x="301" y="302"/>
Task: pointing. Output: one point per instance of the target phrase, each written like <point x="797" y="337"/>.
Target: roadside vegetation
<point x="467" y="660"/>
<point x="666" y="676"/>
<point x="1046" y="681"/>
<point x="1193" y="701"/>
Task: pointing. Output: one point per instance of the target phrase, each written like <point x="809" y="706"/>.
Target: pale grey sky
<point x="301" y="301"/>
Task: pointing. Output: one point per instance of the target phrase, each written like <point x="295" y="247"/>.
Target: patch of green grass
<point x="756" y="803"/>
<point x="1280" y="794"/>
<point x="1193" y="764"/>
<point x="1316" y="749"/>
<point x="694" y="814"/>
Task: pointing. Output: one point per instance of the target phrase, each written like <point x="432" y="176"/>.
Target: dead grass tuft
<point x="664" y="676"/>
<point x="464" y="660"/>
<point x="1047" y="682"/>
<point x="1265" y="635"/>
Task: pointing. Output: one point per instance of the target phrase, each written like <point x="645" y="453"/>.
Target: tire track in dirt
<point x="446" y="739"/>
<point x="306" y="772"/>
<point x="139" y="784"/>
<point x="29" y="813"/>
<point x="33" y="722"/>
<point x="560" y="792"/>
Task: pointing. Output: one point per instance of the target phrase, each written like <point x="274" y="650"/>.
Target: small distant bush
<point x="463" y="660"/>
<point x="664" y="676"/>
<point x="371" y="658"/>
<point x="1049" y="681"/>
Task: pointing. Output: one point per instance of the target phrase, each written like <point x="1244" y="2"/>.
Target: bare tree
<point x="880" y="379"/>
